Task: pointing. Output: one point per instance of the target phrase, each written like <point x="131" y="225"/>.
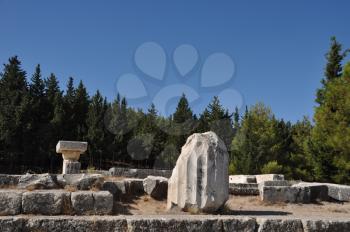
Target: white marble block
<point x="71" y="151"/>
<point x="199" y="182"/>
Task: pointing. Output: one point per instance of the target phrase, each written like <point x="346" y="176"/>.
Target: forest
<point x="35" y="114"/>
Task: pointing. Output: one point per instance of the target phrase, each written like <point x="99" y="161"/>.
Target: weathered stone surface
<point x="134" y="186"/>
<point x="139" y="173"/>
<point x="156" y="187"/>
<point x="91" y="203"/>
<point x="117" y="188"/>
<point x="68" y="224"/>
<point x="8" y="180"/>
<point x="268" y="177"/>
<point x="159" y="224"/>
<point x="74" y="146"/>
<point x="11" y="224"/>
<point x="10" y="202"/>
<point x="339" y="192"/>
<point x="318" y="191"/>
<point x="242" y="225"/>
<point x="326" y="226"/>
<point x="103" y="202"/>
<point x="82" y="202"/>
<point x="276" y="194"/>
<point x="242" y="179"/>
<point x="71" y="167"/>
<point x="277" y="225"/>
<point x="275" y="183"/>
<point x="81" y="181"/>
<point x="199" y="181"/>
<point x="38" y="181"/>
<point x="45" y="202"/>
<point x="243" y="189"/>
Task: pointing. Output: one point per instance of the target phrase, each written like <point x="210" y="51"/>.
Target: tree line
<point x="35" y="114"/>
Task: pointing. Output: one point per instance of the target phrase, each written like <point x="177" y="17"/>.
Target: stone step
<point x="242" y="189"/>
<point x="168" y="223"/>
<point x="55" y="202"/>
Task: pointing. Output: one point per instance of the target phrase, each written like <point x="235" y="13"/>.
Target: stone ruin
<point x="200" y="178"/>
<point x="198" y="184"/>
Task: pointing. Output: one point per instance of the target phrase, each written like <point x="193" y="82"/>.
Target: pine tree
<point x="183" y="123"/>
<point x="55" y="117"/>
<point x="39" y="118"/>
<point x="333" y="68"/>
<point x="80" y="108"/>
<point x="14" y="104"/>
<point x="69" y="114"/>
<point x="218" y="120"/>
<point x="96" y="133"/>
<point x="331" y="134"/>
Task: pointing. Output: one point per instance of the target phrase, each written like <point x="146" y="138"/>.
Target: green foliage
<point x="272" y="167"/>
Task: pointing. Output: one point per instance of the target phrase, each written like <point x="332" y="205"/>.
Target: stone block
<point x="287" y="194"/>
<point x="244" y="189"/>
<point x="8" y="180"/>
<point x="71" y="167"/>
<point x="10" y="202"/>
<point x="242" y="179"/>
<point x="156" y="187"/>
<point x="74" y="224"/>
<point x="81" y="181"/>
<point x="82" y="202"/>
<point x="200" y="180"/>
<point x="318" y="191"/>
<point x="45" y="202"/>
<point x="75" y="146"/>
<point x="116" y="188"/>
<point x="11" y="224"/>
<point x="277" y="225"/>
<point x="242" y="224"/>
<point x="103" y="202"/>
<point x="134" y="186"/>
<point x="268" y="177"/>
<point x="326" y="226"/>
<point x="38" y="181"/>
<point x="339" y="192"/>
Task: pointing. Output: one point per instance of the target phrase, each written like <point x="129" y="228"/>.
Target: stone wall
<point x="168" y="223"/>
<point x="139" y="173"/>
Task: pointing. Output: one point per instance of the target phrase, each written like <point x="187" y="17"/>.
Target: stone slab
<point x="139" y="173"/>
<point x="267" y="177"/>
<point x="10" y="202"/>
<point x="286" y="194"/>
<point x="45" y="202"/>
<point x="75" y="146"/>
<point x="243" y="189"/>
<point x="167" y="223"/>
<point x="242" y="179"/>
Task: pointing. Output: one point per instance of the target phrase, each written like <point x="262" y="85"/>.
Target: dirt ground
<point x="242" y="206"/>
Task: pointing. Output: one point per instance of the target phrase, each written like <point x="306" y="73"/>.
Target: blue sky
<point x="277" y="47"/>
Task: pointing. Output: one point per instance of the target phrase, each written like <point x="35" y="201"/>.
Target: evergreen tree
<point x="256" y="143"/>
<point x="96" y="133"/>
<point x="333" y="68"/>
<point x="80" y="109"/>
<point x="69" y="114"/>
<point x="55" y="117"/>
<point x="217" y="119"/>
<point x="183" y="123"/>
<point x="39" y="120"/>
<point x="331" y="134"/>
<point x="14" y="105"/>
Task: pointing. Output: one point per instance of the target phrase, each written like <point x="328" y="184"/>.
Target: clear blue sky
<point x="278" y="48"/>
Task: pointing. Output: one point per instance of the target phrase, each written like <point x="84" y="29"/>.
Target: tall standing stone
<point x="199" y="182"/>
<point x="71" y="152"/>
